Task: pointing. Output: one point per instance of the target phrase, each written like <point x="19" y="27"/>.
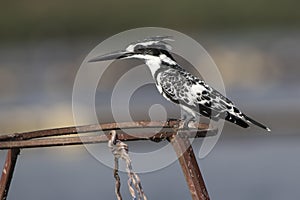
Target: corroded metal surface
<point x="94" y="128"/>
<point x="78" y="140"/>
<point x="189" y="167"/>
<point x="143" y="131"/>
<point x="7" y="172"/>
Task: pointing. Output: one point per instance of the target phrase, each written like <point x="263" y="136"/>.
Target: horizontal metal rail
<point x="94" y="128"/>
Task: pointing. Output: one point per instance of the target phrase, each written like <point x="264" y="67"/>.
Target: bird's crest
<point x="157" y="42"/>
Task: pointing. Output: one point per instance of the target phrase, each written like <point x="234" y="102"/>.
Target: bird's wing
<point x="183" y="88"/>
<point x="220" y="106"/>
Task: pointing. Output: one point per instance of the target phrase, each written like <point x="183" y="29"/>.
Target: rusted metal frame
<point x="180" y="144"/>
<point x="189" y="166"/>
<point x="8" y="171"/>
<point x="77" y="140"/>
<point x="93" y="128"/>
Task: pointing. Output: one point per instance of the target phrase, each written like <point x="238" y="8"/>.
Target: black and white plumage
<point x="179" y="86"/>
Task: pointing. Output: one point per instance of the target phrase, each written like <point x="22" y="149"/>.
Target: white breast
<point x="154" y="64"/>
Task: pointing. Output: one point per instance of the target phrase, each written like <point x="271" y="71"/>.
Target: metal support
<point x="7" y="172"/>
<point x="189" y="166"/>
<point x="170" y="130"/>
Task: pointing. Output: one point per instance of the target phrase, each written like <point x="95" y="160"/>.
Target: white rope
<point x="120" y="150"/>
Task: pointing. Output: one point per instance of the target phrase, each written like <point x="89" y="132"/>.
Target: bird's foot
<point x="183" y="125"/>
<point x="172" y="121"/>
<point x="192" y="125"/>
<point x="188" y="123"/>
<point x="183" y="122"/>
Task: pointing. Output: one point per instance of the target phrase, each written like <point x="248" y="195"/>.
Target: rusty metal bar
<point x="189" y="166"/>
<point x="77" y="140"/>
<point x="8" y="171"/>
<point x="93" y="128"/>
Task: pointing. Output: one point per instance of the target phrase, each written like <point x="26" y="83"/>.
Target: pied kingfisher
<point x="177" y="85"/>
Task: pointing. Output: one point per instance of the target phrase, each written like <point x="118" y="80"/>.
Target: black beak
<point x="111" y="56"/>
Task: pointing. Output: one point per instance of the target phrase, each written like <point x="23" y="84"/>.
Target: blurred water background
<point x="255" y="44"/>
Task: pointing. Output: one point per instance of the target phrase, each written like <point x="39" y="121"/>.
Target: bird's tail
<point x="242" y="121"/>
<point x="252" y="121"/>
<point x="236" y="120"/>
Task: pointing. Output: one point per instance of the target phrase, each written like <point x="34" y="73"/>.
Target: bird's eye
<point x="140" y="51"/>
<point x="137" y="47"/>
<point x="149" y="52"/>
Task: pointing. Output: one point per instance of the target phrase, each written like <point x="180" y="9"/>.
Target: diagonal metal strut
<point x="189" y="166"/>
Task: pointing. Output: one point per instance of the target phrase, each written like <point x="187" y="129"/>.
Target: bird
<point x="179" y="86"/>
